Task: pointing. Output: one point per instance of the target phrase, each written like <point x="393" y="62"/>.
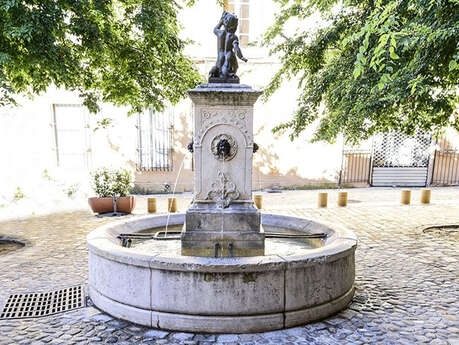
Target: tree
<point x="122" y="51"/>
<point x="374" y="66"/>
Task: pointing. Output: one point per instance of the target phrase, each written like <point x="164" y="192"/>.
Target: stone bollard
<point x="258" y="199"/>
<point x="342" y="199"/>
<point x="171" y="204"/>
<point x="151" y="205"/>
<point x="322" y="199"/>
<point x="405" y="197"/>
<point x="425" y="196"/>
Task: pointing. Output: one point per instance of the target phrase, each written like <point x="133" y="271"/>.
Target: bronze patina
<point x="228" y="48"/>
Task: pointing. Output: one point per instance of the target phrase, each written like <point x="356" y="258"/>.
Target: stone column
<point x="222" y="220"/>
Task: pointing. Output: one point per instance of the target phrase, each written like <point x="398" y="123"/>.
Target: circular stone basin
<point x="296" y="282"/>
<point x="9" y="245"/>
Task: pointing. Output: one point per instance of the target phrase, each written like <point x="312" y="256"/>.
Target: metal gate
<point x="400" y="160"/>
<point x="355" y="167"/>
<point x="446" y="164"/>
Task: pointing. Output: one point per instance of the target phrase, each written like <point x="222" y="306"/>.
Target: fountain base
<point x="155" y="286"/>
<point x="223" y="232"/>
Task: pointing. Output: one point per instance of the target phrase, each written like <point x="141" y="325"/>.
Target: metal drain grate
<point x="33" y="305"/>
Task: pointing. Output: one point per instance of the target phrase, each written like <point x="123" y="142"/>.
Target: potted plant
<point x="108" y="184"/>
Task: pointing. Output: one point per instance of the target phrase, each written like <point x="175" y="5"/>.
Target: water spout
<point x="217" y="246"/>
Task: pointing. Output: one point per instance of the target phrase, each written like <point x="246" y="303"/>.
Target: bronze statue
<point x="225" y="69"/>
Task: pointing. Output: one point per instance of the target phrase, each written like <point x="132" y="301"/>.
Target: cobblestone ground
<point x="406" y="280"/>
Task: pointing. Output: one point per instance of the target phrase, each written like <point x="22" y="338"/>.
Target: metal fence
<point x="356" y="166"/>
<point x="446" y="164"/>
<point x="398" y="150"/>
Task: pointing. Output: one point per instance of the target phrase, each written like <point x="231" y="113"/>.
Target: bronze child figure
<point x="226" y="67"/>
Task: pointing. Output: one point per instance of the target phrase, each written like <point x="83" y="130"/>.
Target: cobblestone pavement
<point x="407" y="284"/>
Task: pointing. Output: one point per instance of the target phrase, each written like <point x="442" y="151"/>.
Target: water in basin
<point x="273" y="246"/>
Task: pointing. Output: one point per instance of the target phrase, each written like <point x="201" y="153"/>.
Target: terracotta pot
<point x="124" y="204"/>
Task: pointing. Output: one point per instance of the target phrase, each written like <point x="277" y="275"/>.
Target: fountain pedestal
<point x="222" y="220"/>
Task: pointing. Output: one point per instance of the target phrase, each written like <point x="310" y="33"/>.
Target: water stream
<point x="173" y="195"/>
<point x="223" y="201"/>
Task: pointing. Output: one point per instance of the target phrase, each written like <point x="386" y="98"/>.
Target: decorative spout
<point x="223" y="148"/>
<point x="190" y="147"/>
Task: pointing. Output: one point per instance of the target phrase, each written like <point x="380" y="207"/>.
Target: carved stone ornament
<point x="214" y="147"/>
<point x="223" y="116"/>
<point x="223" y="191"/>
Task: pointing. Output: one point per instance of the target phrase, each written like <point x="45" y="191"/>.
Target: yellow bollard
<point x="151" y="205"/>
<point x="342" y="199"/>
<point x="322" y="199"/>
<point x="171" y="204"/>
<point x="405" y="197"/>
<point x="258" y="199"/>
<point x="425" y="196"/>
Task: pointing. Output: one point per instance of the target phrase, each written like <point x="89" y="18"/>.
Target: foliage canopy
<point x="122" y="51"/>
<point x="374" y="66"/>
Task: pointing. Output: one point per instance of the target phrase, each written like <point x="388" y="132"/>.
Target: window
<point x="154" y="131"/>
<point x="241" y="9"/>
<point x="72" y="136"/>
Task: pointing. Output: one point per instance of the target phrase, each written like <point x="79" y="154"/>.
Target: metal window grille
<point x="446" y="163"/>
<point x="241" y="9"/>
<point x="397" y="150"/>
<point x="72" y="136"/>
<point x="154" y="150"/>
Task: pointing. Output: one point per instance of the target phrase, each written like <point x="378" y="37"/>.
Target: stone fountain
<point x="222" y="275"/>
<point x="222" y="220"/>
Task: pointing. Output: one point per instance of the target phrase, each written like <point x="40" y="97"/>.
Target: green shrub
<point x="107" y="182"/>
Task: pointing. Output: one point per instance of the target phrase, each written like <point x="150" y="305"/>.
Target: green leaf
<point x="357" y="72"/>
<point x="392" y="53"/>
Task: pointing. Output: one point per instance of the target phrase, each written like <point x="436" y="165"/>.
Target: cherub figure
<point x="226" y="67"/>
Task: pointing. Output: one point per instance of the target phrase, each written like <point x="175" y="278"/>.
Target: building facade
<point x="53" y="137"/>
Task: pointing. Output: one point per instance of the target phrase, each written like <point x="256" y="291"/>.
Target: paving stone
<point x="205" y="337"/>
<point x="156" y="334"/>
<point x="228" y="338"/>
<point x="406" y="280"/>
<point x="101" y="318"/>
<point x="182" y="336"/>
<point x="112" y="340"/>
